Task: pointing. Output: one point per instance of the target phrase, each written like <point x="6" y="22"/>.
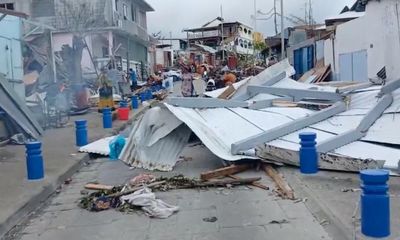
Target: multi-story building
<point x="230" y="36"/>
<point x="118" y="29"/>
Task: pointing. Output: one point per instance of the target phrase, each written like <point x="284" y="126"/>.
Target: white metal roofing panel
<point x="385" y="130"/>
<point x="267" y="74"/>
<point x="346" y="15"/>
<point x="228" y="125"/>
<point x="338" y="124"/>
<point x="215" y="129"/>
<point x="292" y="112"/>
<point x="263" y="120"/>
<point x="372" y="151"/>
<point x="356" y="149"/>
<point x="290" y="83"/>
<point x="218" y="92"/>
<point x="262" y="96"/>
<point x="101" y="146"/>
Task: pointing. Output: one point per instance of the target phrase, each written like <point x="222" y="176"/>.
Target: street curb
<point x="336" y="229"/>
<point x="36" y="201"/>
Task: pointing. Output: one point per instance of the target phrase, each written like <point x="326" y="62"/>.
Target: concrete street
<point x="241" y="212"/>
<point x="20" y="196"/>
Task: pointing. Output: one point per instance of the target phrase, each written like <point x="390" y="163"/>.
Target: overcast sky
<point x="176" y="15"/>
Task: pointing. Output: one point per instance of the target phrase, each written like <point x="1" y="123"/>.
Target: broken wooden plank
<point x="255" y="184"/>
<point x="222" y="172"/>
<point x="127" y="192"/>
<point x="283" y="186"/>
<point x="225" y="182"/>
<point x="227" y="93"/>
<point x="98" y="187"/>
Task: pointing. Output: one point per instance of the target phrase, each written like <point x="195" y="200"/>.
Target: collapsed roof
<point x="354" y="124"/>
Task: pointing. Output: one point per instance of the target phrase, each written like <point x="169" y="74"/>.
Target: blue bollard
<point x="135" y="102"/>
<point x="308" y="153"/>
<point x="149" y="95"/>
<point x="375" y="204"/>
<point x="107" y="118"/>
<point x="34" y="160"/>
<point x="123" y="104"/>
<point x="81" y="134"/>
<point x="143" y="96"/>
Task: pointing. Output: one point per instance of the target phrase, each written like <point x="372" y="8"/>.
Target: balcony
<point x="133" y="29"/>
<point x="207" y="34"/>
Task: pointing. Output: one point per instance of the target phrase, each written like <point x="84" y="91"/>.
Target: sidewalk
<point x="334" y="198"/>
<point x="239" y="213"/>
<point x="20" y="196"/>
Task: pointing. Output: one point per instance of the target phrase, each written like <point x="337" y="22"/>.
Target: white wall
<point x="376" y="32"/>
<point x="11" y="62"/>
<point x="390" y="24"/>
<point x="60" y="39"/>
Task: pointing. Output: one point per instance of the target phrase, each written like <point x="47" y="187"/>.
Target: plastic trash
<point x="152" y="206"/>
<point x="116" y="146"/>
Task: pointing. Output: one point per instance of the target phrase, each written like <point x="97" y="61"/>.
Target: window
<point x="125" y="11"/>
<point x="105" y="51"/>
<point x="133" y="13"/>
<point x="43" y="8"/>
<point x="9" y="6"/>
<point x="249" y="32"/>
<point x="116" y="5"/>
<point x="245" y="30"/>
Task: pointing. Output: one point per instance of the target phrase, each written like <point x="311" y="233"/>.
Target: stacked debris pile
<point x="138" y="194"/>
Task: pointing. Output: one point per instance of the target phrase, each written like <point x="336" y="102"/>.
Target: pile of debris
<point x="137" y="193"/>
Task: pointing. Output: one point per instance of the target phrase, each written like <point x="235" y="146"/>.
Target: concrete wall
<point x="132" y="9"/>
<point x="137" y="51"/>
<point x="11" y="62"/>
<point x="376" y="32"/>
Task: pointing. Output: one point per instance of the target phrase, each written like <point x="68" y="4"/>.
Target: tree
<point x="260" y="46"/>
<point x="79" y="18"/>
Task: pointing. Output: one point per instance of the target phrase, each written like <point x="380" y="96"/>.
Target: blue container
<point x="135" y="102"/>
<point x="107" y="118"/>
<point x="375" y="204"/>
<point x="308" y="153"/>
<point x="149" y="95"/>
<point x="34" y="160"/>
<point x="123" y="104"/>
<point x="116" y="146"/>
<point x="143" y="96"/>
<point x="81" y="134"/>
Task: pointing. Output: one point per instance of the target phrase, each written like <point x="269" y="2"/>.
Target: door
<point x="298" y="62"/>
<point x="360" y="66"/>
<point x="346" y="67"/>
<point x="354" y="66"/>
<point x="303" y="60"/>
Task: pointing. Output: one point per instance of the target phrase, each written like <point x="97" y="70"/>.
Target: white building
<point x="361" y="47"/>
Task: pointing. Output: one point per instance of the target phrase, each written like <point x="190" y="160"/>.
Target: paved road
<point x="241" y="212"/>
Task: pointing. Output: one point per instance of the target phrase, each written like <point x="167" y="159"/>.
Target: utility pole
<point x="222" y="35"/>
<point x="275" y="20"/>
<point x="255" y="15"/>
<point x="310" y="13"/>
<point x="282" y="33"/>
<point x="306" y="13"/>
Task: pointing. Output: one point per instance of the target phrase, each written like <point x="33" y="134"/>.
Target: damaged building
<point x="115" y="30"/>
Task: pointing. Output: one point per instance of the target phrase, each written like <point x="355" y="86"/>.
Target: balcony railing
<point x="133" y="29"/>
